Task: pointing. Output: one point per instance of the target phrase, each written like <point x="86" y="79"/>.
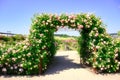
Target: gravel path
<point x="66" y="66"/>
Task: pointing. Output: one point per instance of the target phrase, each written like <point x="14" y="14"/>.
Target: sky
<point x="16" y="15"/>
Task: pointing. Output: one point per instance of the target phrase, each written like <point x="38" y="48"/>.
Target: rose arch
<point x="32" y="56"/>
<point x="96" y="47"/>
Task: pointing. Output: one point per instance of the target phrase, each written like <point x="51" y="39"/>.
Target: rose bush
<point x="96" y="47"/>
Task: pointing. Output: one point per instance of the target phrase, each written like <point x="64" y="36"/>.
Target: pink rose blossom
<point x="57" y="17"/>
<point x="80" y="27"/>
<point x="62" y="21"/>
<point x="41" y="35"/>
<point x="71" y="16"/>
<point x="96" y="34"/>
<point x="15" y="67"/>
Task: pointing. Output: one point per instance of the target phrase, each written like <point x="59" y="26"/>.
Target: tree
<point x="118" y="33"/>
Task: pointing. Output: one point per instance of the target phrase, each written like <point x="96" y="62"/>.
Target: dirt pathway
<point x="66" y="66"/>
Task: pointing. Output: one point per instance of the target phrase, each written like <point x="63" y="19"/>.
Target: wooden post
<point x="40" y="66"/>
<point x="94" y="60"/>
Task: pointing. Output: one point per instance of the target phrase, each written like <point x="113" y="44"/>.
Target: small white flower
<point x="35" y="66"/>
<point x="66" y="21"/>
<point x="13" y="51"/>
<point x="88" y="26"/>
<point x="21" y="70"/>
<point x="41" y="56"/>
<point x="46" y="30"/>
<point x="29" y="54"/>
<point x="31" y="68"/>
<point x="25" y="47"/>
<point x="96" y="34"/>
<point x="119" y="63"/>
<point x="94" y="40"/>
<point x="104" y="42"/>
<point x="116" y="55"/>
<point x="95" y="28"/>
<point x="51" y="24"/>
<point x="96" y="63"/>
<point x="116" y="50"/>
<point x="101" y="39"/>
<point x="6" y="63"/>
<point x="39" y="41"/>
<point x="11" y="67"/>
<point x="88" y="16"/>
<point x="21" y="65"/>
<point x="29" y="63"/>
<point x="116" y="61"/>
<point x="109" y="71"/>
<point x="108" y="60"/>
<point x="33" y="30"/>
<point x="49" y="21"/>
<point x="100" y="59"/>
<point x="41" y="35"/>
<point x="72" y="21"/>
<point x="117" y="68"/>
<point x="19" y="57"/>
<point x="15" y="67"/>
<point x="8" y="59"/>
<point x="9" y="50"/>
<point x="23" y="59"/>
<point x="111" y="65"/>
<point x="57" y="27"/>
<point x="94" y="66"/>
<point x="97" y="47"/>
<point x="101" y="68"/>
<point x="46" y="23"/>
<point x="43" y="22"/>
<point x="100" y="20"/>
<point x="85" y="20"/>
<point x="87" y="62"/>
<point x="14" y="59"/>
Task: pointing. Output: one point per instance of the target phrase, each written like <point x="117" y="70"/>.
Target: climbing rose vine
<point x="96" y="47"/>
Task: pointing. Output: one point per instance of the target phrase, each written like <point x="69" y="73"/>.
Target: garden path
<point x="66" y="66"/>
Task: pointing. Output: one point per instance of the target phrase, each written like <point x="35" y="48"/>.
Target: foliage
<point x="17" y="37"/>
<point x="118" y="33"/>
<point x="96" y="47"/>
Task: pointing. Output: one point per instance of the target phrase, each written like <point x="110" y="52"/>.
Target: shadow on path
<point x="61" y="63"/>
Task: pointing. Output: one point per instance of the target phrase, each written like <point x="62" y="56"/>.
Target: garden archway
<point x="96" y="47"/>
<point x="95" y="41"/>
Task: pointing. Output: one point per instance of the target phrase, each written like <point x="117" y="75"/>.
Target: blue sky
<point x="15" y="15"/>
